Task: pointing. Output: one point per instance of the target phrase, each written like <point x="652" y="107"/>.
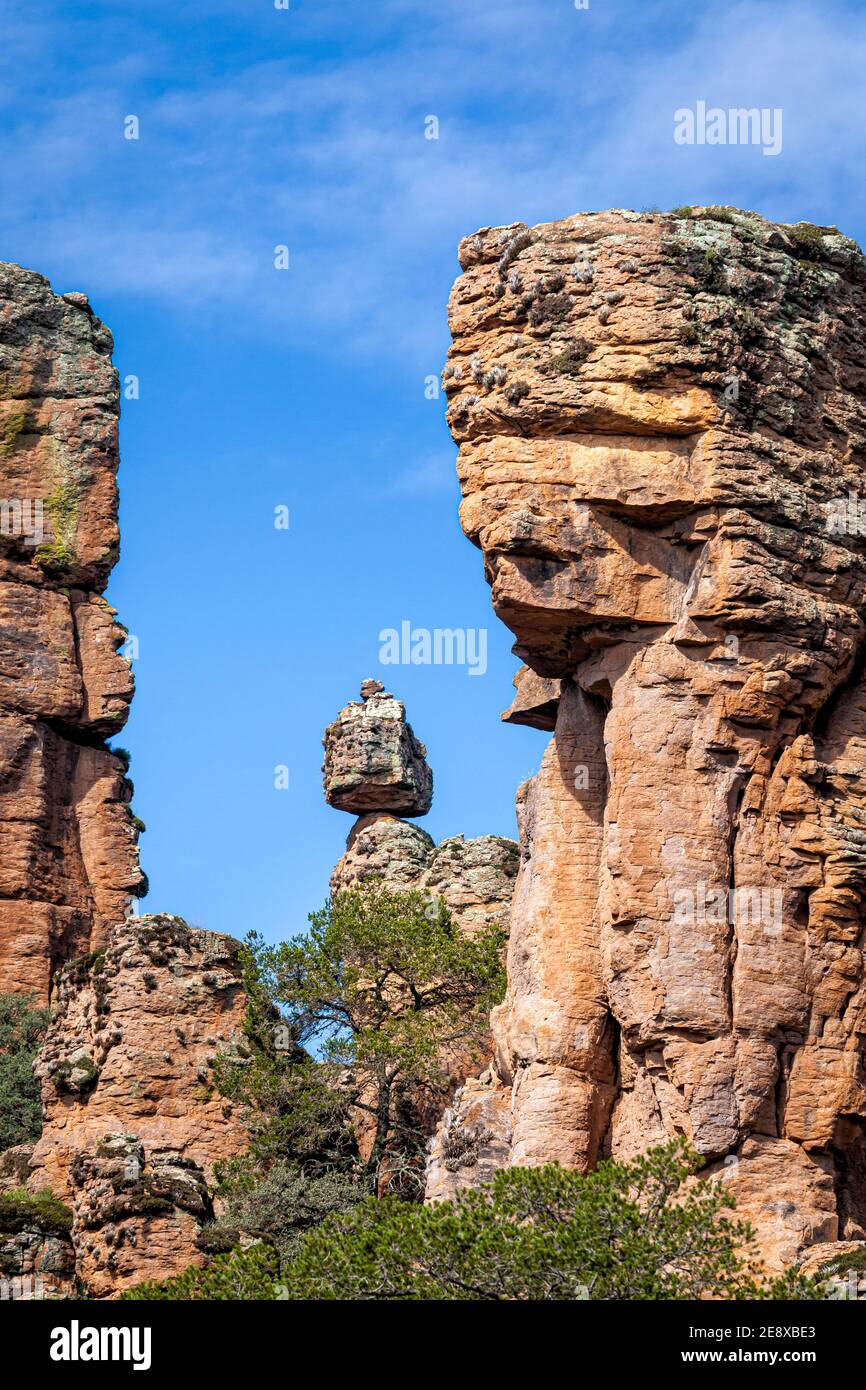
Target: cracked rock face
<point x="68" y="855"/>
<point x="132" y="1123"/>
<point x="373" y="761"/>
<point x="662" y="434"/>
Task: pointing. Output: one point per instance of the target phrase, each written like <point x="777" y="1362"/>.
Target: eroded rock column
<point x="662" y="435"/>
<point x="133" y="1123"/>
<point x="68" y="857"/>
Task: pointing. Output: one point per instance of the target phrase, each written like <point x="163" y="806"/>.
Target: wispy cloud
<point x="543" y="111"/>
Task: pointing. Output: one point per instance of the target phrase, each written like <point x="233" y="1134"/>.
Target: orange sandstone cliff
<point x="141" y="1005"/>
<point x="662" y="431"/>
<point x="68" y="857"/>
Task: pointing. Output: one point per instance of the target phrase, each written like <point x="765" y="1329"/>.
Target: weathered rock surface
<point x="36" y="1266"/>
<point x="662" y="430"/>
<point x="373" y="761"/>
<point x="369" y="751"/>
<point x="536" y="701"/>
<point x="137" y="1215"/>
<point x="68" y="855"/>
<point x="132" y="1123"/>
<point x="474" y="878"/>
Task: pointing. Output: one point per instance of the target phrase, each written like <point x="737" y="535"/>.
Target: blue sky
<point x="305" y="388"/>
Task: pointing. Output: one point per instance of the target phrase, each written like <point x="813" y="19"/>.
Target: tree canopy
<point x="640" y="1230"/>
<point x="372" y="1012"/>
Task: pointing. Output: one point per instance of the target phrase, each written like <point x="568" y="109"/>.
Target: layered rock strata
<point x="68" y="857"/>
<point x="662" y="433"/>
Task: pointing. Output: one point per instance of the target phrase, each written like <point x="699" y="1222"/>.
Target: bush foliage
<point x="645" y="1230"/>
<point x="22" y="1028"/>
<point x="43" y="1212"/>
<point x="639" y="1230"/>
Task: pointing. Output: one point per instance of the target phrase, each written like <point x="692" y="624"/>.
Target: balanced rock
<point x="373" y="761"/>
<point x="662" y="431"/>
<point x="371" y="752"/>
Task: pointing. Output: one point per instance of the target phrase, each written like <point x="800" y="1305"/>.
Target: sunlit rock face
<point x="68" y="843"/>
<point x="133" y="1123"/>
<point x="662" y="437"/>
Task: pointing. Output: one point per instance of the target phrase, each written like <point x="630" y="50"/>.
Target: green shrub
<point x="638" y="1230"/>
<point x="841" y="1264"/>
<point x="281" y="1206"/>
<point x="19" y="1211"/>
<point x="22" y="1028"/>
<point x="808" y="240"/>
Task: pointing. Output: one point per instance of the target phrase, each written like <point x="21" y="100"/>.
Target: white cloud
<point x="544" y="111"/>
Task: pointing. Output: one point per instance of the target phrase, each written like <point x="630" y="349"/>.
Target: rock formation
<point x="375" y="764"/>
<point x="35" y="1263"/>
<point x="373" y="761"/>
<point x="132" y="1124"/>
<point x="662" y="430"/>
<point x="372" y="750"/>
<point x="68" y="857"/>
